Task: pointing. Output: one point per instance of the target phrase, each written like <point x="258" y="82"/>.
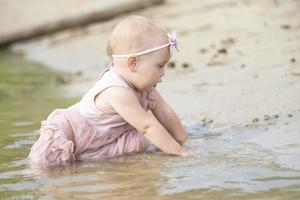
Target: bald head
<point x="135" y="34"/>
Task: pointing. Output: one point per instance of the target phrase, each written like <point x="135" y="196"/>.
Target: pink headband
<point x="172" y="46"/>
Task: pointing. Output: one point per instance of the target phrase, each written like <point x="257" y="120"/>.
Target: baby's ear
<point x="131" y="63"/>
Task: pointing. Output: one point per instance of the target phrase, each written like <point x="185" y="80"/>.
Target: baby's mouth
<point x="157" y="82"/>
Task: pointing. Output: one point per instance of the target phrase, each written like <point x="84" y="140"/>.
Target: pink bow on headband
<point x="173" y="42"/>
<point x="172" y="47"/>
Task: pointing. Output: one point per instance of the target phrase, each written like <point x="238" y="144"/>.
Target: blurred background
<point x="234" y="84"/>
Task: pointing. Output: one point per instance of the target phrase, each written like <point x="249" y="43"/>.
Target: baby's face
<point x="151" y="68"/>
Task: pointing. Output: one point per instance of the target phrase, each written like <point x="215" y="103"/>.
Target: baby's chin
<point x="150" y="87"/>
<point x="156" y="83"/>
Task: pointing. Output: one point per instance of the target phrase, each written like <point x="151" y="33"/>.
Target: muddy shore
<point x="238" y="60"/>
<point x="235" y="84"/>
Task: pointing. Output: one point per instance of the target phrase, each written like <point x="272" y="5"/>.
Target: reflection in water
<point x="246" y="162"/>
<point x="232" y="162"/>
<point x="130" y="177"/>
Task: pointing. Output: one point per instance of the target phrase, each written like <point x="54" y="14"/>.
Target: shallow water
<point x="256" y="161"/>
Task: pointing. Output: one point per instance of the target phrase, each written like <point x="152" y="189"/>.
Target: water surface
<point x="255" y="161"/>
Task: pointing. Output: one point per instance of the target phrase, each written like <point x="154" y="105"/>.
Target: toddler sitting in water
<point x="111" y="119"/>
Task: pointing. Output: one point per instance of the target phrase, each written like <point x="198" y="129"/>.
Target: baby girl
<point x="112" y="119"/>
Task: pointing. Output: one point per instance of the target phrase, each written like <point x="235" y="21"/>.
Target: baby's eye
<point x="161" y="66"/>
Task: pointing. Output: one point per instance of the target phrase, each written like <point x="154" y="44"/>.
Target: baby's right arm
<point x="125" y="102"/>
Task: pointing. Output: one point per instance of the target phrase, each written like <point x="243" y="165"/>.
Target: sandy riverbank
<point x="238" y="60"/>
<point x="237" y="73"/>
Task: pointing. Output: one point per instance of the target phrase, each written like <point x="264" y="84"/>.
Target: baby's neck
<point x="121" y="71"/>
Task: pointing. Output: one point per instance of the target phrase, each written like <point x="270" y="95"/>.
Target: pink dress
<point x="84" y="133"/>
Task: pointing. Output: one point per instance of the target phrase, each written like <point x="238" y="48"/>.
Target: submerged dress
<point x="84" y="133"/>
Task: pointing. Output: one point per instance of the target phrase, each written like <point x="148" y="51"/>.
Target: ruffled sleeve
<point x="152" y="99"/>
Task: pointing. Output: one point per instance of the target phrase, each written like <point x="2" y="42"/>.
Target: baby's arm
<point x="168" y="118"/>
<point x="126" y="103"/>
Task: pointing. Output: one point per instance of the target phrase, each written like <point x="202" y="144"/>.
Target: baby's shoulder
<point x="113" y="95"/>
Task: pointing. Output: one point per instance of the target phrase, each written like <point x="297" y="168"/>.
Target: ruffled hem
<point x="128" y="143"/>
<point x="52" y="147"/>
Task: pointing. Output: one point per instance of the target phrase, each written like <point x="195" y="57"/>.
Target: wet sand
<point x="238" y="60"/>
<point x="234" y="83"/>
